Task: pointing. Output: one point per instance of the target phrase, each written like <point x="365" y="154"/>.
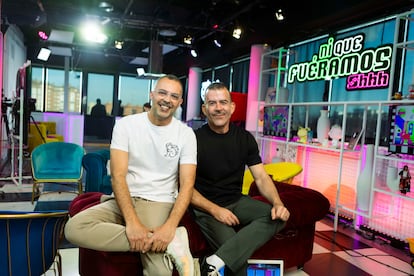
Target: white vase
<point x="364" y="180"/>
<point x="322" y="127"/>
<point x="393" y="181"/>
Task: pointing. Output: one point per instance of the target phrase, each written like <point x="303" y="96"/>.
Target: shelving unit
<point x="402" y="47"/>
<point x="334" y="171"/>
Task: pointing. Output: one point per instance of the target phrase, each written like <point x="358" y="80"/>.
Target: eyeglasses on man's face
<point x="164" y="94"/>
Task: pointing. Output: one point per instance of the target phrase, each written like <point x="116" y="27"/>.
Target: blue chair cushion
<point x="97" y="178"/>
<point x="59" y="161"/>
<point x="29" y="241"/>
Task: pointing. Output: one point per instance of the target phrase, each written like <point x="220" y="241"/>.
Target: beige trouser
<point x="102" y="228"/>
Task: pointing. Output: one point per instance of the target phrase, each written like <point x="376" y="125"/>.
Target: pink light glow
<point x="193" y="97"/>
<point x="43" y="35"/>
<point x="253" y="86"/>
<point x="391" y="214"/>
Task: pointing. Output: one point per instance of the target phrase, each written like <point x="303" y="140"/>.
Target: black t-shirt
<point x="221" y="161"/>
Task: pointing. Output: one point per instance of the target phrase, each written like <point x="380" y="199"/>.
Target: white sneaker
<point x="208" y="270"/>
<point x="178" y="251"/>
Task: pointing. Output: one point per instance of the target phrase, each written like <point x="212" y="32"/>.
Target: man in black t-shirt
<point x="234" y="224"/>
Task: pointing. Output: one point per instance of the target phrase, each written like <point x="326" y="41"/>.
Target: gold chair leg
<point x="35" y="191"/>
<point x="59" y="263"/>
<point x="80" y="188"/>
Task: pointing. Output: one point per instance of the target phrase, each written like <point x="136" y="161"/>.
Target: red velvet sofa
<point x="293" y="244"/>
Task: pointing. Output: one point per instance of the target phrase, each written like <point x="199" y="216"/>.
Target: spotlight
<point x="106" y="6"/>
<point x="42" y="35"/>
<point x="119" y="44"/>
<point x="141" y="74"/>
<point x="188" y="40"/>
<point x="279" y="15"/>
<point x="237" y="32"/>
<point x="44" y="54"/>
<point x="91" y="31"/>
<point x="168" y="32"/>
<point x="194" y="53"/>
<point x="140" y="71"/>
<point x="217" y="42"/>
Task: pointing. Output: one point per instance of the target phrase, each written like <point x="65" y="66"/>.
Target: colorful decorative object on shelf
<point x="405" y="180"/>
<point x="363" y="187"/>
<point x="275" y="121"/>
<point x="280" y="96"/>
<point x="322" y="127"/>
<point x="335" y="134"/>
<point x="411" y="92"/>
<point x="397" y="96"/>
<point x="303" y="134"/>
<point x="393" y="180"/>
<point x="270" y="95"/>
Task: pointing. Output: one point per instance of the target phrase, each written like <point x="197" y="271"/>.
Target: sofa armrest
<point x="84" y="201"/>
<point x="97" y="178"/>
<point x="306" y="206"/>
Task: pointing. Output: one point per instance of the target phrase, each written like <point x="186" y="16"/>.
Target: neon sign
<point x="363" y="68"/>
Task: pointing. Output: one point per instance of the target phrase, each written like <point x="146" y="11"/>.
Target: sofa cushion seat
<point x="293" y="244"/>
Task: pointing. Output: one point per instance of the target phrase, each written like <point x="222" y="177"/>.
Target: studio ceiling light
<point x="279" y="15"/>
<point x="42" y="35"/>
<point x="194" y="53"/>
<point x="140" y="71"/>
<point x="142" y="74"/>
<point x="92" y="32"/>
<point x="168" y="33"/>
<point x="237" y="32"/>
<point x="119" y="44"/>
<point x="217" y="42"/>
<point x="188" y="40"/>
<point x="44" y="54"/>
<point x="60" y="36"/>
<point x="105" y="6"/>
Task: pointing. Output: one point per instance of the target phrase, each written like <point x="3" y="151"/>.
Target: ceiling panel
<point x="137" y="23"/>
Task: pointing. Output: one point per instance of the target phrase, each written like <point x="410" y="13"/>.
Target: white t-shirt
<point x="155" y="153"/>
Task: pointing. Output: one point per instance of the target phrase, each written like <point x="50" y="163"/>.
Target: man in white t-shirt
<point x="151" y="153"/>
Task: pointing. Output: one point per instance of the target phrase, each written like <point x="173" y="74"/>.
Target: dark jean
<point x="235" y="245"/>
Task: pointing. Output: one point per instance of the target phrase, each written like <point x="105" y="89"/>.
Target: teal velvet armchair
<point x="57" y="162"/>
<point x="97" y="178"/>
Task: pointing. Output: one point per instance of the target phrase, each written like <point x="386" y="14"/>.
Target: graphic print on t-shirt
<point x="171" y="150"/>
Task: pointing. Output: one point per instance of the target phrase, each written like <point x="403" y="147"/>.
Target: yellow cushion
<point x="281" y="172"/>
<point x="247" y="181"/>
<point x="411" y="244"/>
